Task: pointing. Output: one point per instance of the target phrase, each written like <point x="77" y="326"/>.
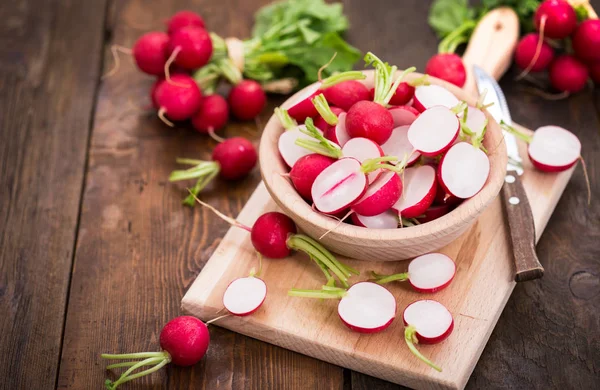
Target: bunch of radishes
<point x="386" y="165"/>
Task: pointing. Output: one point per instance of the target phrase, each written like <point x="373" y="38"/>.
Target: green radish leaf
<point x="446" y="16"/>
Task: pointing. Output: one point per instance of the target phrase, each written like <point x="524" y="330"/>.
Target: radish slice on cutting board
<point x="386" y="220"/>
<point x="418" y="193"/>
<point x="339" y="186"/>
<point x="427" y="96"/>
<point x="244" y="296"/>
<point x="380" y="196"/>
<point x="398" y="145"/>
<point x="554" y="149"/>
<point x="367" y="308"/>
<point x="463" y="170"/>
<point x="434" y="131"/>
<point x="363" y="149"/>
<point x="403" y="115"/>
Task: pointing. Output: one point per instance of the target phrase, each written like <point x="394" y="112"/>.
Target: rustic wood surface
<point x="84" y="272"/>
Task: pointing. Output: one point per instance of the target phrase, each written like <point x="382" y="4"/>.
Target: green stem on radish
<point x="460" y="107"/>
<point x="410" y="336"/>
<point x="320" y="145"/>
<point x="324" y="110"/>
<point x="515" y="132"/>
<point x="207" y="78"/>
<point x="204" y="171"/>
<point x="129" y="364"/>
<point x="374" y="164"/>
<point x="321" y="294"/>
<point x="383" y="279"/>
<point x="384" y="73"/>
<point x="423" y="80"/>
<point x="457" y="37"/>
<point x="396" y="83"/>
<point x="285" y="119"/>
<point x="341" y="77"/>
<point x="158" y="359"/>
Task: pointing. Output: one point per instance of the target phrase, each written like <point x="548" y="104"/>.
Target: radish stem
<point x="286" y="120"/>
<point x="129" y="364"/>
<point x="323" y="294"/>
<point x="324" y="110"/>
<point x="410" y="336"/>
<point x="515" y="132"/>
<point x="321" y="145"/>
<point x="121" y="380"/>
<point x="138" y="355"/>
<point x="383" y="279"/>
<point x="341" y="77"/>
<point x="456" y="37"/>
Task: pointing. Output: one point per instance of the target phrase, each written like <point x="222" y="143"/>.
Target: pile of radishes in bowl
<point x="402" y="154"/>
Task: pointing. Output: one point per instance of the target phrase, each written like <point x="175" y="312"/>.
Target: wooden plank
<point x="140" y="249"/>
<point x="50" y="61"/>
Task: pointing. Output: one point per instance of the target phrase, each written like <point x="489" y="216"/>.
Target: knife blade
<point x="515" y="202"/>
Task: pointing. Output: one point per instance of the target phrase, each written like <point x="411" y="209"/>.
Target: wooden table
<point x="96" y="250"/>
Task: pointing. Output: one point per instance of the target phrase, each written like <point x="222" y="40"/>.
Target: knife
<point x="515" y="203"/>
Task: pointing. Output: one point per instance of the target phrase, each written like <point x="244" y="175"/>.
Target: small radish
<point x="183" y="340"/>
<point x="386" y="220"/>
<point x="363" y="149"/>
<point x="427" y="96"/>
<point x="427" y="322"/>
<point x="403" y="115"/>
<point x="305" y="171"/>
<point x="448" y="67"/>
<point x="365" y="307"/>
<point x="247" y="99"/>
<point x="328" y="115"/>
<point x="150" y="52"/>
<point x="555" y="19"/>
<point x="527" y="55"/>
<point x="339" y="186"/>
<point x="178" y="100"/>
<point x="184" y="19"/>
<point x="399" y="146"/>
<point x="463" y="170"/>
<point x="244" y="296"/>
<point x="212" y="115"/>
<point x="428" y="273"/>
<point x="191" y="47"/>
<point x="433" y="212"/>
<point x="232" y="159"/>
<point x="338" y="134"/>
<point x="434" y="131"/>
<point x="567" y="74"/>
<point x="405" y="91"/>
<point x="380" y="196"/>
<point x="346" y="94"/>
<point x="586" y="41"/>
<point x="418" y="193"/>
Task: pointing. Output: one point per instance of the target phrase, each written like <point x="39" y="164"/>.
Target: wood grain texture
<point x="49" y="68"/>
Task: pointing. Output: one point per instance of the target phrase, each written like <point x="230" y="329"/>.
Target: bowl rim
<point x="272" y="164"/>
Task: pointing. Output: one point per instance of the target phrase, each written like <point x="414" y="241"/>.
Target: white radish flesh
<point x="403" y="115"/>
<point x="434" y="131"/>
<point x="244" y="296"/>
<point x="289" y="151"/>
<point x="380" y="196"/>
<point x="431" y="272"/>
<point x="427" y="96"/>
<point x="464" y="170"/>
<point x="399" y="146"/>
<point x="386" y="220"/>
<point x="367" y="308"/>
<point x="476" y="120"/>
<point x="431" y="320"/>
<point x="338" y="186"/>
<point x="554" y="149"/>
<point x="363" y="149"/>
<point x="418" y="193"/>
<point x="341" y="135"/>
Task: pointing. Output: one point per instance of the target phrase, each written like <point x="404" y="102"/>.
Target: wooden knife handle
<point x="522" y="229"/>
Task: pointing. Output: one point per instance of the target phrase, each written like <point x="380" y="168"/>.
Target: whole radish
<point x="525" y="53"/>
<point x="567" y="74"/>
<point x="346" y="94"/>
<point x="183" y="340"/>
<point x="586" y="41"/>
<point x="183" y="19"/>
<point x="212" y="115"/>
<point x="557" y="17"/>
<point x="150" y="52"/>
<point x="179" y="99"/>
<point x="247" y="99"/>
<point x="191" y="47"/>
<point x="305" y="171"/>
<point x="448" y="67"/>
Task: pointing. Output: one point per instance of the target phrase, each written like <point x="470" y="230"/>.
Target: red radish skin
<point x="363" y="149"/>
<point x="247" y="99"/>
<point x="244" y="296"/>
<point x="427" y="96"/>
<point x="448" y="67"/>
<point x="186" y="340"/>
<point x="301" y="107"/>
<point x="367" y="308"/>
<point x="338" y="186"/>
<point x="150" y="52"/>
<point x="403" y="95"/>
<point x="322" y="125"/>
<point x="525" y="53"/>
<point x="380" y="196"/>
<point x="586" y="41"/>
<point x="386" y="220"/>
<point x="403" y="115"/>
<point x="561" y="19"/>
<point x="212" y="115"/>
<point x="183" y="19"/>
<point x="429" y="336"/>
<point x="463" y="171"/>
<point x="369" y="120"/>
<point x="567" y="74"/>
<point x="554" y="149"/>
<point x="236" y="157"/>
<point x="419" y="189"/>
<point x="346" y="94"/>
<point x="399" y="146"/>
<point x="270" y="233"/>
<point x="595" y="72"/>
<point x="179" y="99"/>
<point x="443" y="198"/>
<point x="153" y="92"/>
<point x="338" y="133"/>
<point x="194" y="47"/>
<point x="306" y="170"/>
<point x="434" y="212"/>
<point x="434" y="131"/>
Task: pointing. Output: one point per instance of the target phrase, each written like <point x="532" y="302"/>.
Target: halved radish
<point x="305" y="171"/>
<point x="339" y="186"/>
<point x="463" y="170"/>
<point x="434" y="131"/>
<point x="427" y="322"/>
<point x="338" y="133"/>
<point x="433" y="212"/>
<point x="554" y="149"/>
<point x="386" y="220"/>
<point x="380" y="196"/>
<point x="363" y="149"/>
<point x="244" y="296"/>
<point x="426" y="274"/>
<point x="444" y="198"/>
<point x="418" y="193"/>
<point x="403" y="115"/>
<point x="427" y="96"/>
<point x="399" y="146"/>
<point x="476" y="121"/>
<point x="290" y="152"/>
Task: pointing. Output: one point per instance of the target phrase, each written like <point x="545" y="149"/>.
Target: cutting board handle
<point x="492" y="45"/>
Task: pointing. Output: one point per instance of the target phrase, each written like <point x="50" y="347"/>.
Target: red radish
<point x="179" y="99"/>
<point x="443" y="198"/>
<point x="191" y="46"/>
<point x="463" y="170"/>
<point x="595" y="72"/>
<point x="247" y="99"/>
<point x="153" y="92"/>
<point x="363" y="149"/>
<point x="427" y="322"/>
<point x="369" y="120"/>
<point x="403" y="95"/>
<point x="212" y="115"/>
<point x="244" y="296"/>
<point x="567" y="74"/>
<point x="183" y="340"/>
<point x="339" y="186"/>
<point x="403" y="115"/>
<point x="525" y="53"/>
<point x="270" y="233"/>
<point x="339" y="134"/>
<point x="380" y="196"/>
<point x="305" y="171"/>
<point x="434" y="131"/>
<point x="386" y="220"/>
<point x="433" y="212"/>
<point x="322" y="125"/>
<point x="328" y="118"/>
<point x="399" y="146"/>
<point x="150" y="52"/>
<point x="553" y="149"/>
<point x="586" y="41"/>
<point x="448" y="67"/>
<point x="346" y="94"/>
<point x="427" y="96"/>
<point x="419" y="191"/>
<point x="557" y="16"/>
<point x="184" y="19"/>
<point x="426" y="274"/>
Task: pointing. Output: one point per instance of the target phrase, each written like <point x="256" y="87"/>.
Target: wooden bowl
<point x="381" y="244"/>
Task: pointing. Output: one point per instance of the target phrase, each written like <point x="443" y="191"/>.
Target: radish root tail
<point x="546" y="95"/>
<point x="168" y="64"/>
<point x="217" y="319"/>
<point x="538" y="50"/>
<point x="213" y="135"/>
<point x="161" y="115"/>
<point x="231" y="221"/>
<point x="337" y="225"/>
<point x="322" y="68"/>
<point x="115" y="50"/>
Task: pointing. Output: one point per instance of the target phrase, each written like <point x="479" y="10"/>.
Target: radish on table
<point x="586" y="41"/>
<point x="555" y="19"/>
<point x="448" y="67"/>
<point x="190" y="47"/>
<point x="247" y="99"/>
<point x="183" y="19"/>
<point x="533" y="54"/>
<point x="211" y="116"/>
<point x="568" y="74"/>
<point x="150" y="52"/>
<point x="178" y="99"/>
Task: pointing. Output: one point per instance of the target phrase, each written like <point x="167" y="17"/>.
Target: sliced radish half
<point x="476" y="121"/>
<point x="418" y="193"/>
<point x="386" y="220"/>
<point x="433" y="212"/>
<point x="289" y="151"/>
<point x="339" y="186"/>
<point x="301" y="107"/>
<point x="554" y="149"/>
<point x="380" y="196"/>
<point x="398" y="145"/>
<point x="338" y="133"/>
<point x="427" y="96"/>
<point x="403" y="115"/>
<point x="367" y="308"/>
<point x="363" y="149"/>
<point x="244" y="296"/>
<point x="463" y="170"/>
<point x="434" y="131"/>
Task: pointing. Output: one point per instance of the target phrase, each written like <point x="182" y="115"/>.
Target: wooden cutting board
<point x="476" y="297"/>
